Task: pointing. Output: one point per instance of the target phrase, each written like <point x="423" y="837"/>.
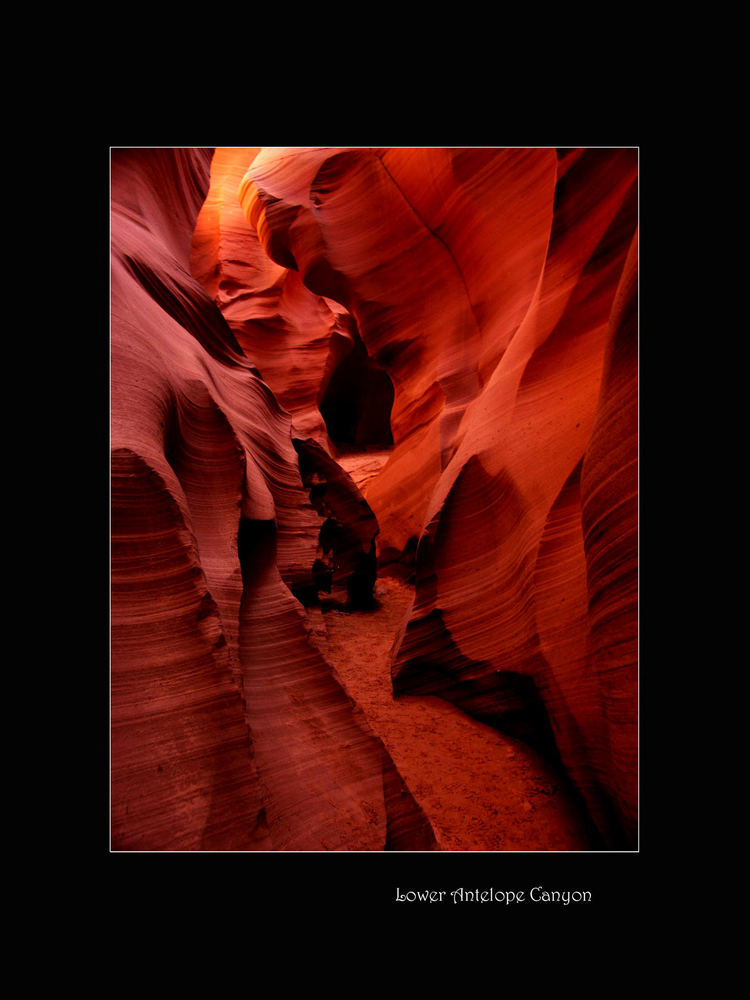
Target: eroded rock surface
<point x="229" y="731"/>
<point x="497" y="289"/>
<point x="329" y="363"/>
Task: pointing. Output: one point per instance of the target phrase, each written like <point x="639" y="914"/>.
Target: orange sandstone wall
<point x="294" y="337"/>
<point x="498" y="290"/>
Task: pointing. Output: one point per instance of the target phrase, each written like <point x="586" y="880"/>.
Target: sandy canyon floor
<point x="480" y="789"/>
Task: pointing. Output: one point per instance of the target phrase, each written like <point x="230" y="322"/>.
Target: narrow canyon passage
<point x="480" y="789"/>
<point x="374" y="425"/>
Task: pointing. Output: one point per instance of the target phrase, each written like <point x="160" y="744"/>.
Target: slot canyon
<point x="374" y="499"/>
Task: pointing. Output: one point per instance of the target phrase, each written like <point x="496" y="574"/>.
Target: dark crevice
<point x="345" y="568"/>
<point x="256" y="549"/>
<point x="356" y="405"/>
<point x="195" y="313"/>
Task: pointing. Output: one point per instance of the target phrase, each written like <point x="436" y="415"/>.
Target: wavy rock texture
<point x="497" y="290"/>
<point x="229" y="730"/>
<point x="295" y="338"/>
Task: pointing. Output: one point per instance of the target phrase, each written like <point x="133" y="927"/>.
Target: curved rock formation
<point x="229" y="730"/>
<point x="295" y="338"/>
<point x="497" y="290"/>
<point x="456" y="328"/>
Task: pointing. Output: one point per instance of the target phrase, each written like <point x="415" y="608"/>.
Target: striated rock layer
<point x="296" y="339"/>
<point x="497" y="291"/>
<point x="456" y="331"/>
<point x="229" y="730"/>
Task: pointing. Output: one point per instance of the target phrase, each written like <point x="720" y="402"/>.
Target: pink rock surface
<point x="228" y="727"/>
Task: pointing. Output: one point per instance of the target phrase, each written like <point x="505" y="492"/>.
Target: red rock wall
<point x="491" y="295"/>
<point x="497" y="288"/>
<point x="289" y="332"/>
<point x="227" y="725"/>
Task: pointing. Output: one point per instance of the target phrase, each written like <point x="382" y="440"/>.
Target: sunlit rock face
<point x="496" y="289"/>
<point x="289" y="332"/>
<point x="227" y="725"/>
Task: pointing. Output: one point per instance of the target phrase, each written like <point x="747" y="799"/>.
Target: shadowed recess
<point x="194" y="312"/>
<point x="357" y="403"/>
<point x="346" y="559"/>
